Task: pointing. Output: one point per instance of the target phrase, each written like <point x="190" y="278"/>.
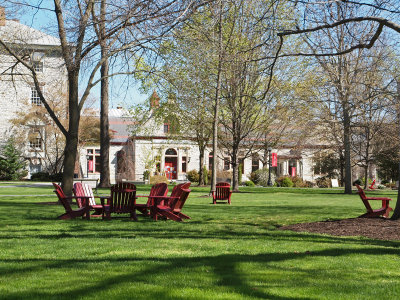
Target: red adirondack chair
<point x="173" y="210"/>
<point x="81" y="191"/>
<point x="171" y="201"/>
<point x="176" y="192"/>
<point x="121" y="201"/>
<point x="222" y="192"/>
<point x="373" y="213"/>
<point x="69" y="212"/>
<point x="158" y="190"/>
<point x="371" y="187"/>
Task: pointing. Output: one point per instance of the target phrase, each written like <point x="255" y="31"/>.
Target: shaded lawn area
<point x="223" y="252"/>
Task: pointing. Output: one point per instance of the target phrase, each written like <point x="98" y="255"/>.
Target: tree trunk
<point x="396" y="212"/>
<point x="216" y="107"/>
<point x="201" y="163"/>
<point x="341" y="161"/>
<point x="104" y="130"/>
<point x="71" y="141"/>
<point x="104" y="123"/>
<point x="347" y="151"/>
<point x="235" y="170"/>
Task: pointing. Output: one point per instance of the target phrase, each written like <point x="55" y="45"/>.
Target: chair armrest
<point x="378" y="198"/>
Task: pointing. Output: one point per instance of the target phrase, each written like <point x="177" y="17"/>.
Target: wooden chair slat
<point x="222" y="192"/>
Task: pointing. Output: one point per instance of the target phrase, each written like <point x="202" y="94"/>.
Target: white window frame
<point x="35" y="99"/>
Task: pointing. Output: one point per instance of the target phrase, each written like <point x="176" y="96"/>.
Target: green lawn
<point x="223" y="252"/>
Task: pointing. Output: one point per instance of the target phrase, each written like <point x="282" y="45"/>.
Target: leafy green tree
<point x="12" y="164"/>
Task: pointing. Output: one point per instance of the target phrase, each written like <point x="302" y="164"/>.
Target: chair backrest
<point x="222" y="190"/>
<point x="81" y="190"/>
<point x="372" y="184"/>
<point x="61" y="196"/>
<point x="177" y="190"/>
<point x="178" y="204"/>
<point x="159" y="189"/>
<point x="123" y="197"/>
<point x="364" y="198"/>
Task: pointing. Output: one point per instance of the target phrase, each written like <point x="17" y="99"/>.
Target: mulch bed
<point x="374" y="228"/>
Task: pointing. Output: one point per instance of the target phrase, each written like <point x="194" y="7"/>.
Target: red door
<point x="170" y="167"/>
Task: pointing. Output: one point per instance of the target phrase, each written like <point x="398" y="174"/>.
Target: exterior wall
<point x="15" y="88"/>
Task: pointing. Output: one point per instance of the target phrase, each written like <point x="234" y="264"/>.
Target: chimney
<point x="2" y="16"/>
<point x="154" y="100"/>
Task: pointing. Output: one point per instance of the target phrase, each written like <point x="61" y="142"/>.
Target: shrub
<point x="146" y="174"/>
<point x="223" y="175"/>
<point x="12" y="164"/>
<point x="323" y="182"/>
<point x="56" y="177"/>
<point x="391" y="185"/>
<point x="193" y="176"/>
<point x="205" y="175"/>
<point x="158" y="179"/>
<point x="284" y="181"/>
<point x="260" y="177"/>
<point x="40" y="176"/>
<point x="287" y="182"/>
<point x="249" y="183"/>
<point x="45" y="176"/>
<point x="309" y="184"/>
<point x="298" y="181"/>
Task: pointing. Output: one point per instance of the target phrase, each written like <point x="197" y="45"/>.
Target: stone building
<point x="18" y="95"/>
<point x="155" y="150"/>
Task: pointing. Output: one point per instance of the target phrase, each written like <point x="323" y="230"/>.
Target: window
<point x="37" y="66"/>
<point x="171" y="151"/>
<point x="171" y="125"/>
<point x="227" y="164"/>
<point x="184" y="162"/>
<point x="35" y="139"/>
<point x="166" y="128"/>
<point x="37" y="61"/>
<point x="35" y="99"/>
<point x="93" y="160"/>
<point x="210" y="160"/>
<point x="255" y="163"/>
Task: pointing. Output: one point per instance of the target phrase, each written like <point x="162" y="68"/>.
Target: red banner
<point x="293" y="171"/>
<point x="274" y="159"/>
<point x="90" y="165"/>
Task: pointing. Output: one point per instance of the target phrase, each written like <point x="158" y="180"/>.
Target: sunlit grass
<point x="224" y="252"/>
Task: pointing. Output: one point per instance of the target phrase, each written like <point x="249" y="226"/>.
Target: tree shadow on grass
<point x="225" y="269"/>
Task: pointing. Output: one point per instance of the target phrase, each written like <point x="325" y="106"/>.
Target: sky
<point x="45" y="21"/>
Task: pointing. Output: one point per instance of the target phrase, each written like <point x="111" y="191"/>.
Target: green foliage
<point x="193" y="176"/>
<point x="158" y="179"/>
<point x="45" y="176"/>
<point x="260" y="177"/>
<point x="249" y="183"/>
<point x="327" y="164"/>
<point x="298" y="182"/>
<point x="146" y="174"/>
<point x="286" y="182"/>
<point x="12" y="164"/>
<point x="323" y="182"/>
<point x="205" y="175"/>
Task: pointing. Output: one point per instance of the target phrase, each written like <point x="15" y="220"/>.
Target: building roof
<point x="17" y="33"/>
<point x="120" y="123"/>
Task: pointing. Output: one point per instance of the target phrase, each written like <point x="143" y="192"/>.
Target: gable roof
<point x="14" y="32"/>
